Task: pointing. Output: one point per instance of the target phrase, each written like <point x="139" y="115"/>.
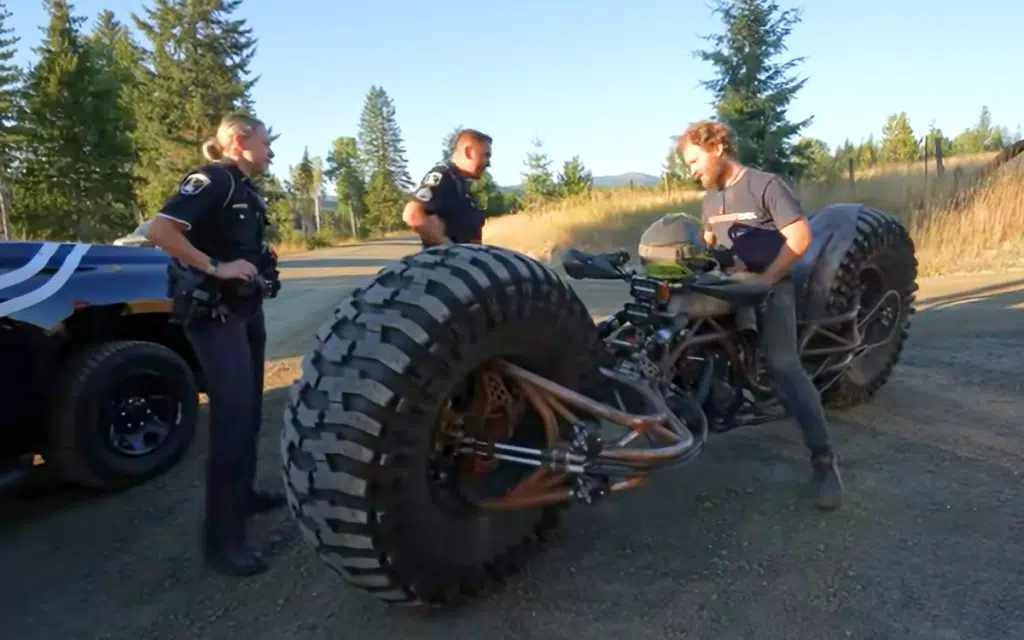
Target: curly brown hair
<point x="706" y="133"/>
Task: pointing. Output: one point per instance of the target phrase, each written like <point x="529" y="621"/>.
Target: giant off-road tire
<point x="361" y="421"/>
<point x="881" y="258"/>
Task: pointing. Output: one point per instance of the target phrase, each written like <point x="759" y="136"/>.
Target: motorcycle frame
<point x="589" y="462"/>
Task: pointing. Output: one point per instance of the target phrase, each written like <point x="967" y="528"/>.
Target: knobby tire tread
<point x="358" y="418"/>
<point x="880" y="238"/>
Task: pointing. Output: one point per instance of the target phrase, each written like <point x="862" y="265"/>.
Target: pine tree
<point x="10" y="103"/>
<point x="383" y="202"/>
<point x="488" y="195"/>
<point x="574" y="179"/>
<point x="197" y="67"/>
<point x="538" y="183"/>
<point x="120" y="61"/>
<point x="982" y="136"/>
<point x="304" y="188"/>
<point x="75" y="179"/>
<point x="867" y="153"/>
<point x="342" y="169"/>
<point x="844" y="153"/>
<point x="382" y="156"/>
<point x="814" y="161"/>
<point x="752" y="93"/>
<point x="898" y="141"/>
<point x="380" y="138"/>
<point x="279" y="211"/>
<point x="935" y="133"/>
<point x="674" y="172"/>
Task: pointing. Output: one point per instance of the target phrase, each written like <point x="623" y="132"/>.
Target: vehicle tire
<point x="360" y="423"/>
<point x="95" y="434"/>
<point x="881" y="258"/>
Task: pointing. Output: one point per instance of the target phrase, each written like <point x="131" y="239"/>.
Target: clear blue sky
<point x="596" y="77"/>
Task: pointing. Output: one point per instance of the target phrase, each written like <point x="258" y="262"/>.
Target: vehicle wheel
<point x="124" y="412"/>
<point x="881" y="259"/>
<point x="363" y="419"/>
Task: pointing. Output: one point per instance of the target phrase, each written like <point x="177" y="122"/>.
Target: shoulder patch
<point x="194" y="183"/>
<point x="432" y="179"/>
<point x="424" y="194"/>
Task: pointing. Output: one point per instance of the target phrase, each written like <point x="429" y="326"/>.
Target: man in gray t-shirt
<point x="754" y="222"/>
<point x="745" y="217"/>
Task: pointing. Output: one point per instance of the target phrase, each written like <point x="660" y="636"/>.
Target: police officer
<point x="443" y="210"/>
<point x="215" y="224"/>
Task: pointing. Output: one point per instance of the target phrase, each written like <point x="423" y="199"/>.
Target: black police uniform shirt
<point x="444" y="192"/>
<point x="222" y="210"/>
<point x="746" y="218"/>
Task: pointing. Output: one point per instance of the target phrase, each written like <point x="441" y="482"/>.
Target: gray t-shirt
<point x="746" y="217"/>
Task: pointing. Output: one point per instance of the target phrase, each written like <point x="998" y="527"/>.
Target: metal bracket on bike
<point x="584" y="441"/>
<point x="590" y="489"/>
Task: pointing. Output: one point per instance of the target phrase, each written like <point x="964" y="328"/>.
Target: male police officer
<point x="442" y="210"/>
<point x="215" y="225"/>
<point x="755" y="216"/>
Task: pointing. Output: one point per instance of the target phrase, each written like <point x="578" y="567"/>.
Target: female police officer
<point x="215" y="224"/>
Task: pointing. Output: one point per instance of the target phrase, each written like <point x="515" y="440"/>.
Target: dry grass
<point x="298" y="244"/>
<point x="959" y="221"/>
<point x="981" y="229"/>
<point x="606" y="218"/>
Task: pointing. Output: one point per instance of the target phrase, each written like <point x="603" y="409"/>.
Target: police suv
<point x="95" y="381"/>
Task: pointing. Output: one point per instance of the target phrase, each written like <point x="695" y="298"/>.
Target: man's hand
<point x="237" y="269"/>
<point x="737" y="266"/>
<point x="429" y="227"/>
<point x="798" y="238"/>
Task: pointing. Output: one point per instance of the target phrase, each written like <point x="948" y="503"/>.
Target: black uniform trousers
<point x="231" y="356"/>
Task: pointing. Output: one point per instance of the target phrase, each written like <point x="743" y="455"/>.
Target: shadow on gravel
<point x="990" y="294"/>
<point x="981" y="314"/>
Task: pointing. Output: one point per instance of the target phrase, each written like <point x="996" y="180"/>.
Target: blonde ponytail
<point x="212" y="150"/>
<point x="230" y="125"/>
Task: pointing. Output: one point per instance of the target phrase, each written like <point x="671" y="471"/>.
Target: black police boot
<point x="260" y="502"/>
<point x="228" y="555"/>
<point x="224" y="548"/>
<point x="827" y="483"/>
<point x="235" y="561"/>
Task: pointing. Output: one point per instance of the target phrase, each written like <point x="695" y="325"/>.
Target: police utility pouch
<point x="194" y="297"/>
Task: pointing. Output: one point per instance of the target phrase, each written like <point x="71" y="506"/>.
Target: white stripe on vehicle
<point x="52" y="286"/>
<point x="34" y="266"/>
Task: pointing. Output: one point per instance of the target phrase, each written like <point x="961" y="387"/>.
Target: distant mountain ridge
<point x="620" y="180"/>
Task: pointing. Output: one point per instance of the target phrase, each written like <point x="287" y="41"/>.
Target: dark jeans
<point x="797" y="391"/>
<point x="231" y="356"/>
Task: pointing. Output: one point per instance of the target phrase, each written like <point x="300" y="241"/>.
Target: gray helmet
<point x="675" y="238"/>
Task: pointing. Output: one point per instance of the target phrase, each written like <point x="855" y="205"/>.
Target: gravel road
<point x="930" y="543"/>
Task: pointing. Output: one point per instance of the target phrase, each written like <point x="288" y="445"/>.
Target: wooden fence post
<point x="924" y="143"/>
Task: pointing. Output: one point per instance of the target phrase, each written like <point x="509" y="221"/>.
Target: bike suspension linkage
<point x="585" y="459"/>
